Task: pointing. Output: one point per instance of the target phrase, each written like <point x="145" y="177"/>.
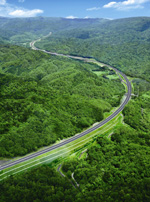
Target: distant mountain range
<point x="122" y="42"/>
<point x="41" y="25"/>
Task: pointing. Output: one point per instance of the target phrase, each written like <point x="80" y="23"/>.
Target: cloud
<point x="93" y="9"/>
<point x="2" y="2"/>
<point x="109" y="5"/>
<point x="109" y="18"/>
<point x="71" y="17"/>
<point x="25" y="13"/>
<point x="126" y="5"/>
<point x="10" y="10"/>
<point x="132" y="2"/>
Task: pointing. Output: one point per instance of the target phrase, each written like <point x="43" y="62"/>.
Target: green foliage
<point x="117" y="169"/>
<point x="113" y="169"/>
<point x="45" y="98"/>
<point x="21" y="31"/>
<point x="123" y="43"/>
<point x="41" y="184"/>
<point x="137" y="111"/>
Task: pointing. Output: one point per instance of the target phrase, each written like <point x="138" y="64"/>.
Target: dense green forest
<point x="44" y="98"/>
<point x="117" y="169"/>
<point x="123" y="43"/>
<point x="22" y="31"/>
<point x="41" y="184"/>
<point x="113" y="169"/>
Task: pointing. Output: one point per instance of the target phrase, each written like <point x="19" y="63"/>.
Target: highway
<point x="53" y="147"/>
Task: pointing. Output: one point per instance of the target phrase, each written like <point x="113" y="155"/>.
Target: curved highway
<point x="128" y="96"/>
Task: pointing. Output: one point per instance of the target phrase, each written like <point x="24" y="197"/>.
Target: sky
<point x="110" y="9"/>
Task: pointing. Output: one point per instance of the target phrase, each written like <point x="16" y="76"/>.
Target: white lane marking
<point x="62" y="145"/>
<point x="54" y="153"/>
<point x="51" y="158"/>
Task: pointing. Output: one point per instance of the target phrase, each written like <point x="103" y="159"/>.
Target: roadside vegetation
<point x="111" y="169"/>
<point x="45" y="98"/>
<point x="117" y="168"/>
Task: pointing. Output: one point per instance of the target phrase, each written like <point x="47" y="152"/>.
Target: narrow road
<point x="53" y="147"/>
<point x="58" y="169"/>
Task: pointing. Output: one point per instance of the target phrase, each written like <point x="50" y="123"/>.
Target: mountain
<point x="46" y="98"/>
<point x="123" y="43"/>
<point x="22" y="30"/>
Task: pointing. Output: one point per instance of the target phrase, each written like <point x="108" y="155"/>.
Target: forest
<point x="44" y="98"/>
<point x="22" y="31"/>
<point x="123" y="43"/>
<point x="113" y="169"/>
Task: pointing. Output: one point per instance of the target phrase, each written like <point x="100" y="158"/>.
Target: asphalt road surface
<point x="128" y="96"/>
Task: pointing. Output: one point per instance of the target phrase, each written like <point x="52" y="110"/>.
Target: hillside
<point x="44" y="98"/>
<point x="112" y="169"/>
<point x="23" y="30"/>
<point x="123" y="43"/>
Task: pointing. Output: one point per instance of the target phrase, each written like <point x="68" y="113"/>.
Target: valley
<point x="74" y="82"/>
<point x="97" y="126"/>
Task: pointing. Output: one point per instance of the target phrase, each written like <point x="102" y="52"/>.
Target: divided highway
<point x="121" y="107"/>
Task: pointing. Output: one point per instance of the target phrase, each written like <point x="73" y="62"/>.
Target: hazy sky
<point x="76" y="8"/>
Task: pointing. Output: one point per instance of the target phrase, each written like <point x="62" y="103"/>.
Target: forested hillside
<point x="44" y="98"/>
<point x="42" y="184"/>
<point x="112" y="169"/>
<point x="123" y="43"/>
<point x="22" y="31"/>
<point x="117" y="169"/>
